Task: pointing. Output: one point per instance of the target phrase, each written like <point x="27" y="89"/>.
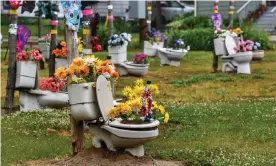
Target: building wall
<point x="205" y="8"/>
<point x="119" y="8"/>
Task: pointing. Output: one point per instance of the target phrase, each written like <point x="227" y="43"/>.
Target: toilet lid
<point x="230" y="44"/>
<point x="104" y="96"/>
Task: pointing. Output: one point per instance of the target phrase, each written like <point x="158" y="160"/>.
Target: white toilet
<point x="30" y="100"/>
<point x="235" y="62"/>
<point x="114" y="134"/>
<point x="124" y="67"/>
<point x="169" y="56"/>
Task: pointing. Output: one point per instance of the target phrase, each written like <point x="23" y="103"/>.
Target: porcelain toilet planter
<point x="31" y="100"/>
<point x="151" y="49"/>
<point x="44" y="48"/>
<point x="258" y="55"/>
<point x="83" y="101"/>
<point x="115" y="134"/>
<point x="169" y="56"/>
<point x="26" y="72"/>
<point x="61" y="62"/>
<point x="130" y="68"/>
<point x="219" y="46"/>
<point x="118" y="53"/>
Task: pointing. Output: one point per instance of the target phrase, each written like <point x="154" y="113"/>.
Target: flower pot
<point x="61" y="62"/>
<point x="118" y="53"/>
<point x="83" y="101"/>
<point x="25" y="74"/>
<point x="219" y="47"/>
<point x="151" y="49"/>
<point x="258" y="55"/>
<point x="45" y="49"/>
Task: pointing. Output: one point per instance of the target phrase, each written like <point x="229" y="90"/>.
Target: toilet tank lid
<point x="104" y="96"/>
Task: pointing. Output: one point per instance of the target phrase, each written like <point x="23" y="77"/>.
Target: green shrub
<point x="103" y="35"/>
<point x="197" y="39"/>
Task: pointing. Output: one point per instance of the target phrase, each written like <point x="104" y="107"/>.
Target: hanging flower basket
<point x="151" y="48"/>
<point x="61" y="62"/>
<point x="118" y="53"/>
<point x="25" y="74"/>
<point x="83" y="101"/>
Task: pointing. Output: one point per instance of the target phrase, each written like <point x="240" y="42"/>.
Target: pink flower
<point x="236" y="49"/>
<point x="249" y="48"/>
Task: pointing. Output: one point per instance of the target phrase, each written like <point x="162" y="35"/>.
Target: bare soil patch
<point x="101" y="157"/>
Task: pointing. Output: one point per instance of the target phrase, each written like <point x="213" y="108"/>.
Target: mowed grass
<point x="235" y="125"/>
<point x="240" y="132"/>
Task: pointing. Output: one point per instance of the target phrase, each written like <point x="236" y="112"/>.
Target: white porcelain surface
<point x="25" y="74"/>
<point x="83" y="101"/>
<point x="104" y="96"/>
<point x="219" y="46"/>
<point x="117" y="123"/>
<point x="138" y="70"/>
<point x="61" y="62"/>
<point x="151" y="49"/>
<point x="230" y="44"/>
<point x="258" y="55"/>
<point x="45" y="49"/>
<point x="118" y="53"/>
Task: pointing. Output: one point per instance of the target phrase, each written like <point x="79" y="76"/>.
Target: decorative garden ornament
<point x="28" y="6"/>
<point x="15" y="4"/>
<point x="72" y="12"/>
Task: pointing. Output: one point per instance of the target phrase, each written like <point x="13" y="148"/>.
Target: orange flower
<point x="61" y="73"/>
<point x="63" y="44"/>
<point x="107" y="69"/>
<point x="104" y="63"/>
<point x="84" y="70"/>
<point x="78" y="61"/>
<point x="115" y="75"/>
<point x="57" y="52"/>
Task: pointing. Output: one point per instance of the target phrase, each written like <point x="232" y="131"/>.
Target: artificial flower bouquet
<point x="179" y="43"/>
<point x="51" y="84"/>
<point x="119" y="40"/>
<point x="87" y="69"/>
<point x="33" y="55"/>
<point x="155" y="36"/>
<point x="244" y="46"/>
<point x="140" y="59"/>
<point x="80" y="45"/>
<point x="96" y="47"/>
<point x="61" y="50"/>
<point x="139" y="106"/>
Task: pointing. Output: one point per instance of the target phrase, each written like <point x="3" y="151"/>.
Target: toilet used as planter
<point x="114" y="134"/>
<point x="258" y="55"/>
<point x="235" y="62"/>
<point x="151" y="48"/>
<point x="31" y="100"/>
<point x="124" y="67"/>
<point x="169" y="56"/>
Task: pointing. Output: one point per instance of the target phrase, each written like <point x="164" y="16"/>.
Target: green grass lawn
<point x="216" y="118"/>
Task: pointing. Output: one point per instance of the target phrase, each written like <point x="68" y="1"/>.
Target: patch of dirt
<point x="101" y="157"/>
<point x="60" y="133"/>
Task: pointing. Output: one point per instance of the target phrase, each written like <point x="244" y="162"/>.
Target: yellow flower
<point x="78" y="61"/>
<point x="124" y="109"/>
<point x="139" y="82"/>
<point x="162" y="109"/>
<point x="154" y="89"/>
<point x="127" y="91"/>
<point x="61" y="73"/>
<point x="155" y="105"/>
<point x="113" y="113"/>
<point x="136" y="104"/>
<point x="167" y="117"/>
<point x="138" y="90"/>
<point x="84" y="70"/>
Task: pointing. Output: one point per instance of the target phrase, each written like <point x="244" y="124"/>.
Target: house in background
<point x="266" y="22"/>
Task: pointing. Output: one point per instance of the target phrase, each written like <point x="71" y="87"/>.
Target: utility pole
<point x="110" y="18"/>
<point x="12" y="57"/>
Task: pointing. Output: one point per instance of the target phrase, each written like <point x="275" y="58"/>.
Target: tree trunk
<point x="159" y="24"/>
<point x="12" y="67"/>
<point x="110" y="18"/>
<point x="52" y="47"/>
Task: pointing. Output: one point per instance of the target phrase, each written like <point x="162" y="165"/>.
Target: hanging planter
<point x="151" y="49"/>
<point x="118" y="53"/>
<point x="83" y="101"/>
<point x="25" y="74"/>
<point x="61" y="62"/>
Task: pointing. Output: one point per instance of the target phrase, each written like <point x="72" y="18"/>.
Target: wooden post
<point x="54" y="24"/>
<point x="87" y="14"/>
<point x="40" y="33"/>
<point x="12" y="61"/>
<point x="77" y="128"/>
<point x="149" y="12"/>
<point x="143" y="29"/>
<point x="231" y="14"/>
<point x="110" y="18"/>
<point x="215" y="57"/>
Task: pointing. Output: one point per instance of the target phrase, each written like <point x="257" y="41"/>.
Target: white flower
<point x="89" y="61"/>
<point x="106" y="75"/>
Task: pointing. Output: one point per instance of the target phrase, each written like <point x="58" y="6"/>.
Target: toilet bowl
<point x="237" y="62"/>
<point x="30" y="100"/>
<point x="130" y="68"/>
<point x="115" y="134"/>
<point x="169" y="56"/>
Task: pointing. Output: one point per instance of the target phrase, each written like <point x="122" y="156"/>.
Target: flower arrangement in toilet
<point x="61" y="50"/>
<point x="52" y="84"/>
<point x="119" y="40"/>
<point x="140" y="59"/>
<point x="155" y="36"/>
<point x="139" y="106"/>
<point x="178" y="44"/>
<point x="33" y="55"/>
<point x="86" y="69"/>
<point x="245" y="46"/>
